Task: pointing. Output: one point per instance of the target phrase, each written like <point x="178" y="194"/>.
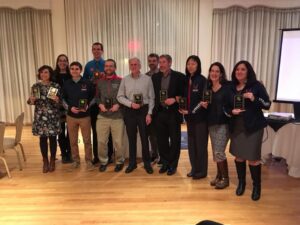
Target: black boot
<point x="45" y="165"/>
<point x="224" y="181"/>
<point x="241" y="171"/>
<point x="256" y="178"/>
<point x="217" y="178"/>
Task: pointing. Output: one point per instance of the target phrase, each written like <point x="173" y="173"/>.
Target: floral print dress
<point x="46" y="113"/>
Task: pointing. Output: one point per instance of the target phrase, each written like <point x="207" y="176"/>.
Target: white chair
<point x="14" y="142"/>
<point x="2" y="129"/>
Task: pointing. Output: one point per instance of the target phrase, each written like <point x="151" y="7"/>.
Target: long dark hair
<point x="57" y="69"/>
<point x="46" y="67"/>
<point x="251" y="76"/>
<point x="223" y="77"/>
<point x="197" y="60"/>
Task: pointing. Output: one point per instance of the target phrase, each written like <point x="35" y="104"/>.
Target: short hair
<point x="46" y="67"/>
<point x="251" y="76"/>
<point x="76" y="63"/>
<point x="167" y="57"/>
<point x="111" y="60"/>
<point x="98" y="43"/>
<point x="135" y="58"/>
<point x="223" y="77"/>
<point x="153" y="55"/>
<point x="57" y="69"/>
<point x="197" y="60"/>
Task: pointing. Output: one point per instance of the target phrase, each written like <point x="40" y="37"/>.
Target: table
<point x="284" y="143"/>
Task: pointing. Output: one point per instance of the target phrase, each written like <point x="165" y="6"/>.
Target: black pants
<point x="153" y="139"/>
<point x="136" y="118"/>
<point x="94" y="113"/>
<point x="168" y="137"/>
<point x="64" y="141"/>
<point x="197" y="144"/>
<point x="44" y="146"/>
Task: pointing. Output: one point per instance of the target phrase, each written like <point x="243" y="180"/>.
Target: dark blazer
<point x="253" y="116"/>
<point x="176" y="88"/>
<point x="198" y="85"/>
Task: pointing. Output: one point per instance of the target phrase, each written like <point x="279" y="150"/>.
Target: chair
<point x="2" y="129"/>
<point x="14" y="142"/>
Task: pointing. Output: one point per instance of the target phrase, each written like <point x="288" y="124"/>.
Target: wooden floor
<point x="81" y="197"/>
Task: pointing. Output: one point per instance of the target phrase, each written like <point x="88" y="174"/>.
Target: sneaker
<point x="89" y="166"/>
<point x="75" y="164"/>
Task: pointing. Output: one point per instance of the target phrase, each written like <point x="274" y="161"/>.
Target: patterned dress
<point x="46" y="113"/>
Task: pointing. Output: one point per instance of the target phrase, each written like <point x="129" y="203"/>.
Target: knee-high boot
<point x="241" y="172"/>
<point x="224" y="181"/>
<point x="256" y="178"/>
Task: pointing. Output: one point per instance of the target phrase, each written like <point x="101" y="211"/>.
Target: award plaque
<point x="108" y="103"/>
<point x="163" y="95"/>
<point x="207" y="96"/>
<point x="138" y="99"/>
<point x="97" y="75"/>
<point x="52" y="92"/>
<point x="182" y="103"/>
<point x="35" y="92"/>
<point x="239" y="102"/>
<point x="82" y="104"/>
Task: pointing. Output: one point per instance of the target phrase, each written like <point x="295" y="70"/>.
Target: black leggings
<point x="44" y="146"/>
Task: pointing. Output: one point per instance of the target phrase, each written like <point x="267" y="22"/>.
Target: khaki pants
<point x="85" y="127"/>
<point x="116" y="127"/>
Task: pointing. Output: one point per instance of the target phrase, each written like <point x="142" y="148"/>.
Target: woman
<point x="62" y="73"/>
<point x="196" y="119"/>
<point x="218" y="122"/>
<point x="46" y="122"/>
<point x="247" y="99"/>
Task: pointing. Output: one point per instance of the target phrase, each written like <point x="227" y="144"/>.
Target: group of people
<point x="154" y="104"/>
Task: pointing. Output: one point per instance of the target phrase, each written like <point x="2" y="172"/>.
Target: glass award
<point x="239" y="102"/>
<point x="52" y="92"/>
<point x="35" y="92"/>
<point x="82" y="104"/>
<point x="108" y="103"/>
<point x="163" y="95"/>
<point x="182" y="103"/>
<point x="138" y="99"/>
<point x="207" y="96"/>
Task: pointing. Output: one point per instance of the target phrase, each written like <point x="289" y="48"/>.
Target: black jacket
<point x="176" y="88"/>
<point x="194" y="94"/>
<point x="253" y="116"/>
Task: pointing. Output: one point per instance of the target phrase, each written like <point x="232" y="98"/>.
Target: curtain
<point x="252" y="34"/>
<point x="130" y="28"/>
<point x="25" y="44"/>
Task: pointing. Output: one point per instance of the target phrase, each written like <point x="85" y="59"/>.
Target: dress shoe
<point x="102" y="168"/>
<point x="119" y="167"/>
<point x="130" y="168"/>
<point x="163" y="169"/>
<point x="171" y="171"/>
<point x="198" y="177"/>
<point x="190" y="174"/>
<point x="148" y="169"/>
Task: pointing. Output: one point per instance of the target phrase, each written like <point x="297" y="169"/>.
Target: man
<point x="137" y="95"/>
<point x="110" y="116"/>
<point x="168" y="86"/>
<point x="77" y="95"/>
<point x="153" y="66"/>
<point x="93" y="71"/>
